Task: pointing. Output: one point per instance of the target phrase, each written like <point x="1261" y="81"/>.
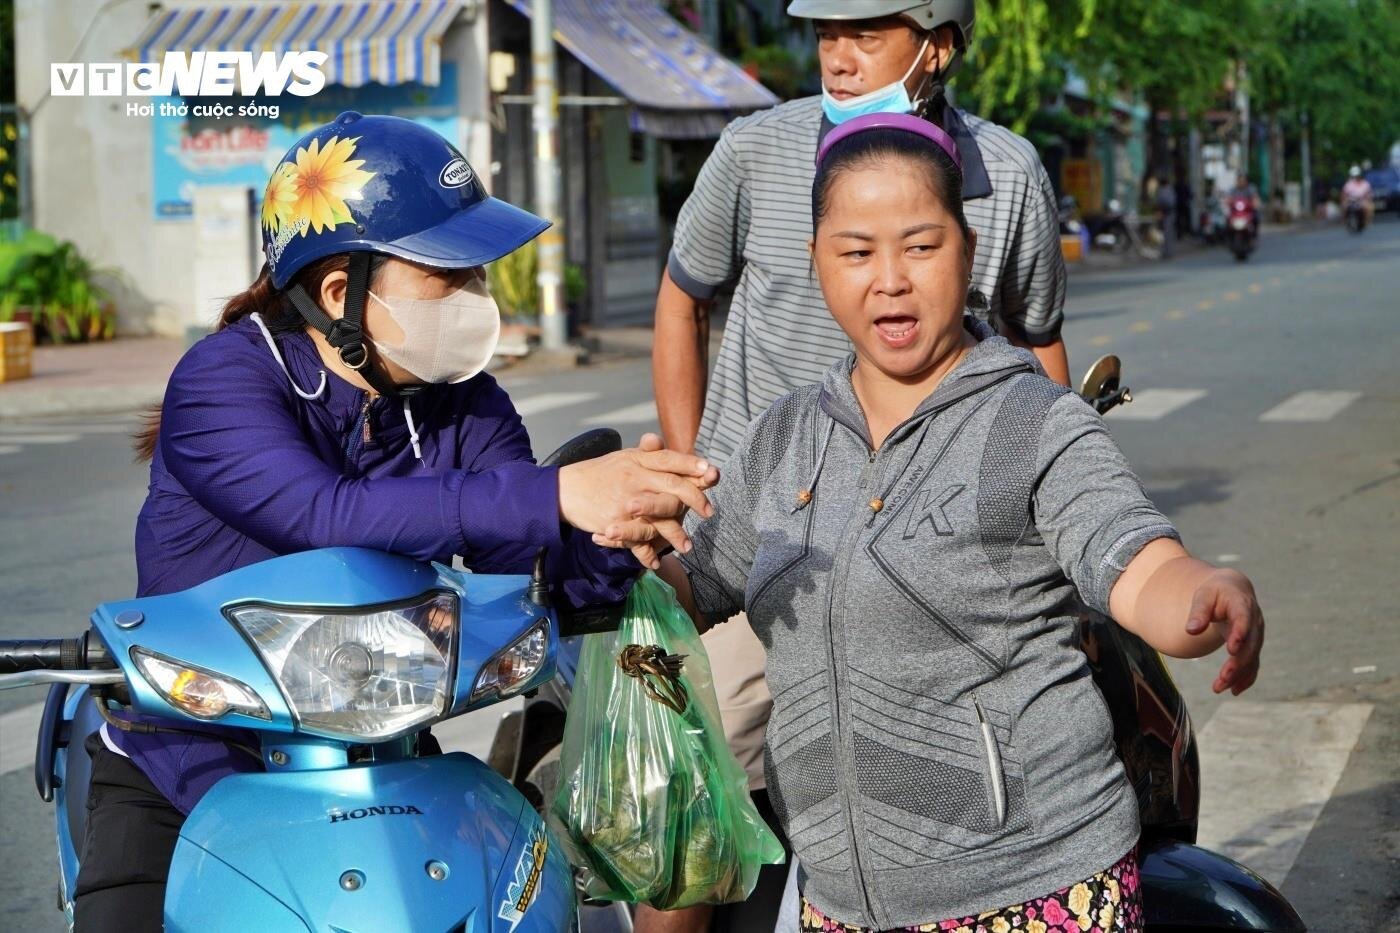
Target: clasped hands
<point x="637" y="498"/>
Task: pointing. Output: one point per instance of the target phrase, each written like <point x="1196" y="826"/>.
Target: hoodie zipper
<point x="839" y="586"/>
<point x="360" y="435"/>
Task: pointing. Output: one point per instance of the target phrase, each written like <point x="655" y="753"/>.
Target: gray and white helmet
<point x="926" y="14"/>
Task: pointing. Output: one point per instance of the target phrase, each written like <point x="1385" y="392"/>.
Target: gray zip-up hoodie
<point x="937" y="747"/>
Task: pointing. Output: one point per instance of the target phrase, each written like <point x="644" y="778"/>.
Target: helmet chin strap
<point x="935" y="84"/>
<point x="347" y="335"/>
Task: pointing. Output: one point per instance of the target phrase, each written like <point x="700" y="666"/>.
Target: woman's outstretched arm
<point x="1187" y="608"/>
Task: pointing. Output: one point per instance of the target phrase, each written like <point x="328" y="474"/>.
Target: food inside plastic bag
<point x="652" y="805"/>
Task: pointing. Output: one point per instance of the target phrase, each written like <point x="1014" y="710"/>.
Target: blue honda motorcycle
<point x="338" y="660"/>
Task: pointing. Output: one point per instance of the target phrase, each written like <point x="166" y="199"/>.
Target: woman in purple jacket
<point x="342" y="403"/>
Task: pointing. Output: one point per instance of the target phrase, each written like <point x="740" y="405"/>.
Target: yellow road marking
<point x="1141" y="327"/>
<point x="1232" y="296"/>
<point x="1256" y="288"/>
<point x="1175" y="314"/>
<point x="1101" y="341"/>
<point x="1205" y="305"/>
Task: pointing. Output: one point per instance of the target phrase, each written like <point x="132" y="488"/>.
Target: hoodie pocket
<point x="940" y="778"/>
<point x="996" y="771"/>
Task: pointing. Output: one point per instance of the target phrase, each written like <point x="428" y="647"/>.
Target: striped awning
<point x="679" y="87"/>
<point x="387" y="41"/>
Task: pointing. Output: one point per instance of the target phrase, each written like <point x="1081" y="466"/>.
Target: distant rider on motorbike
<point x="1243" y="189"/>
<point x="1357" y="190"/>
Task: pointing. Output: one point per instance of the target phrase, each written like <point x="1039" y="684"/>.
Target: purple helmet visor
<point x="891" y="121"/>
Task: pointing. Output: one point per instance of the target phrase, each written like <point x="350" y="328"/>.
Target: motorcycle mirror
<point x="586" y="446"/>
<point x="1102" y="386"/>
<point x="1102" y="378"/>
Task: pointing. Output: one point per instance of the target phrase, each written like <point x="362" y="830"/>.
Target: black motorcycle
<point x="1185" y="887"/>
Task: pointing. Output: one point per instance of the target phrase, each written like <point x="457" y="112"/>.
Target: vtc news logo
<point x="193" y="74"/>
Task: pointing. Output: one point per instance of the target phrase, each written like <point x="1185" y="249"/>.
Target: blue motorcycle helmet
<point x="370" y="185"/>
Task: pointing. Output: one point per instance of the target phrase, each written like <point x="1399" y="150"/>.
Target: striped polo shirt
<point x="750" y="218"/>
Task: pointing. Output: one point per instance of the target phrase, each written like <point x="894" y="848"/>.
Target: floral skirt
<point x="1109" y="901"/>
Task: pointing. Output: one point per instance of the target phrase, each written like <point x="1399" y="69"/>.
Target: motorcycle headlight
<point x="514" y="667"/>
<point x="197" y="692"/>
<point x="365" y="674"/>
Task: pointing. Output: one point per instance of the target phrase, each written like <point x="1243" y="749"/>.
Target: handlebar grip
<point x="54" y="654"/>
<point x="37" y="654"/>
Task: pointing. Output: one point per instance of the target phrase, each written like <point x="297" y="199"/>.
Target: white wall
<point x="91" y="163"/>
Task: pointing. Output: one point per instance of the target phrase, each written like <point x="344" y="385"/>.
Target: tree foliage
<point x="1336" y="60"/>
<point x="1176" y="54"/>
<point x="1019" y="52"/>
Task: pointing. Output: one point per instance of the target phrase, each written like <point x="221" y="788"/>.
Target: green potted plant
<point x="51" y="284"/>
<point x="575" y="288"/>
<point x="25" y="274"/>
<point x="517" y="293"/>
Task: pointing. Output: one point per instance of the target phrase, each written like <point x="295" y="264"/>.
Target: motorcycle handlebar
<point x="18" y="655"/>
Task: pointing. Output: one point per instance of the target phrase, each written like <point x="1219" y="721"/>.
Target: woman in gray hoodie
<point x="913" y="540"/>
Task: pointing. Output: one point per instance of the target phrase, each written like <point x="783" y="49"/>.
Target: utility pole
<point x="554" y="328"/>
<point x="1306" y="159"/>
<point x="709" y="21"/>
<point x="1242" y="107"/>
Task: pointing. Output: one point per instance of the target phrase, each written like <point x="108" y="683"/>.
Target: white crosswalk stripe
<point x="548" y="401"/>
<point x="114" y="426"/>
<point x="1297" y="751"/>
<point x="1310" y="406"/>
<point x="1152" y="404"/>
<point x="7" y="437"/>
<point x="16" y="435"/>
<point x="641" y="413"/>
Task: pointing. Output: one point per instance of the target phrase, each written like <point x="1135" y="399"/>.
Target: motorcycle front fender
<point x="1185" y="887"/>
<point x="439" y="843"/>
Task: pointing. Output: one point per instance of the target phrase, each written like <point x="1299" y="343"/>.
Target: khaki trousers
<point x="737" y="662"/>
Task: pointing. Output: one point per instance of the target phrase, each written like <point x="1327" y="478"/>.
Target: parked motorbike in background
<point x="1118" y="231"/>
<point x="1184" y="887"/>
<point x="1212" y="222"/>
<point x="338" y="659"/>
<point x="1242" y="226"/>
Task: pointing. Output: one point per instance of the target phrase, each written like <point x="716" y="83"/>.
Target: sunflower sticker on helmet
<point x="383" y="185"/>
<point x="455" y="174"/>
<point x="309" y="192"/>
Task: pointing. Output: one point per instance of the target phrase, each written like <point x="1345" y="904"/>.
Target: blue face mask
<point x="892" y="98"/>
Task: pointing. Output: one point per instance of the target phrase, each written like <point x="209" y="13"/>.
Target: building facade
<point x="165" y="198"/>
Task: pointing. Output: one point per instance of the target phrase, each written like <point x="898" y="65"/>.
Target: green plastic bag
<point x="652" y="805"/>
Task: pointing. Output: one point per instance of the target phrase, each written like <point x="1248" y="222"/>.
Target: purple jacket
<point x="248" y="468"/>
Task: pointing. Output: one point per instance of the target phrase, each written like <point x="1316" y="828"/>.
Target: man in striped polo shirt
<point x="748" y="221"/>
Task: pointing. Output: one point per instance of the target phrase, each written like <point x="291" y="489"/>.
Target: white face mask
<point x="446" y="339"/>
